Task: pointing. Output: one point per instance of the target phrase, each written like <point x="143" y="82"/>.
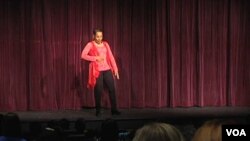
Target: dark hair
<point x="80" y="125"/>
<point x="1" y="118"/>
<point x="35" y="128"/>
<point x="53" y="123"/>
<point x="96" y="30"/>
<point x="11" y="125"/>
<point x="64" y="123"/>
<point x="109" y="130"/>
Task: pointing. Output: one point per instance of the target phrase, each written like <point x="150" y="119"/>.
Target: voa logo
<point x="236" y="132"/>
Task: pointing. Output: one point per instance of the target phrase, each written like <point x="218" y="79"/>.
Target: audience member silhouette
<point x="109" y="130"/>
<point x="64" y="124"/>
<point x="80" y="126"/>
<point x="11" y="128"/>
<point x="35" y="131"/>
<point x="1" y="117"/>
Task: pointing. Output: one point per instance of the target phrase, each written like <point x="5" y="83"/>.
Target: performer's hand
<point x="117" y="74"/>
<point x="99" y="58"/>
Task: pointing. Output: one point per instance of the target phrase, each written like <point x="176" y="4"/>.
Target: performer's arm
<point x="112" y="59"/>
<point x="85" y="53"/>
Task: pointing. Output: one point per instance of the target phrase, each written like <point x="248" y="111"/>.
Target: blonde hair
<point x="209" y="131"/>
<point x="158" y="132"/>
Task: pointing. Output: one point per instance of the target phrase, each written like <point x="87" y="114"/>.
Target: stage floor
<point x="138" y="114"/>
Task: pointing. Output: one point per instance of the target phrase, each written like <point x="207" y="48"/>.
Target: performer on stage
<point x="102" y="67"/>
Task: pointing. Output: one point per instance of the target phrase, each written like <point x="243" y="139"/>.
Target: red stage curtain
<point x="179" y="53"/>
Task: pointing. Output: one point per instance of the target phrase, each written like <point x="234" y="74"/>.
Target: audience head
<point x="35" y="128"/>
<point x="53" y="124"/>
<point x="109" y="130"/>
<point x="209" y="131"/>
<point x="64" y="124"/>
<point x="80" y="125"/>
<point x="53" y="131"/>
<point x="11" y="126"/>
<point x="1" y="117"/>
<point x="158" y="132"/>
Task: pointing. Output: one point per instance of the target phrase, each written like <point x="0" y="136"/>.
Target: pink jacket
<point x="89" y="53"/>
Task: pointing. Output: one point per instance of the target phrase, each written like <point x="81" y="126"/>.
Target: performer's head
<point x="98" y="36"/>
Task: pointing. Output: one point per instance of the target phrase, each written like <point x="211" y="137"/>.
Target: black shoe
<point x="115" y="112"/>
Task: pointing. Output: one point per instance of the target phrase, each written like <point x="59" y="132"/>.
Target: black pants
<point x="105" y="78"/>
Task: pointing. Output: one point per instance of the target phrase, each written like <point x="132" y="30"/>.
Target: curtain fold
<point x="178" y="53"/>
<point x="213" y="30"/>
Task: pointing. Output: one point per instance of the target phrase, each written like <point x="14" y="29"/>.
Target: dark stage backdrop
<point x="170" y="53"/>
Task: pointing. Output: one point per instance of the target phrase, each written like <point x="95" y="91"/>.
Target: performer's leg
<point x="98" y="92"/>
<point x="109" y="81"/>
